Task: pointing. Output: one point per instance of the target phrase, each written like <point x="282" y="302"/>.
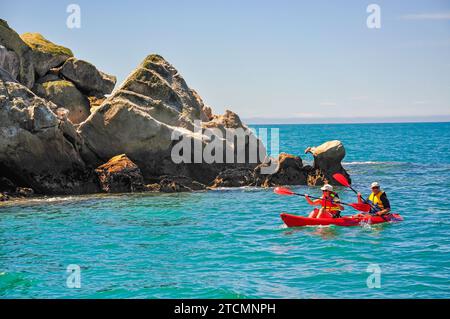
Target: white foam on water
<point x="371" y="163"/>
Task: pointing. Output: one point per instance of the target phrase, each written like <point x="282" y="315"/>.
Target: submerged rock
<point x="171" y="184"/>
<point x="88" y="78"/>
<point x="234" y="177"/>
<point x="120" y="175"/>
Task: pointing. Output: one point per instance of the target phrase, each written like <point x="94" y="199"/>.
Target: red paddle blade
<point x="361" y="207"/>
<point x="341" y="179"/>
<point x="283" y="191"/>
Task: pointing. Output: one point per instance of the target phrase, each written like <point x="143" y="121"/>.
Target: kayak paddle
<point x="285" y="191"/>
<point x="341" y="179"/>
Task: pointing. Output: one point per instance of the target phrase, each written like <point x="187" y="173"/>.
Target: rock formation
<point x="65" y="95"/>
<point x="141" y="116"/>
<point x="45" y="54"/>
<point x="37" y="148"/>
<point x="17" y="49"/>
<point x="87" y="78"/>
<point x="60" y="132"/>
<point x="120" y="175"/>
<point x="327" y="161"/>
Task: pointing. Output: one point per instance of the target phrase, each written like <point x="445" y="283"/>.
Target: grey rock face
<point x="87" y="78"/>
<point x="9" y="61"/>
<point x="12" y="41"/>
<point x="37" y="149"/>
<point x="64" y="94"/>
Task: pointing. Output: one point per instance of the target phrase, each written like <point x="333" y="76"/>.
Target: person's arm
<point x="360" y="201"/>
<point x="386" y="205"/>
<point x="310" y="202"/>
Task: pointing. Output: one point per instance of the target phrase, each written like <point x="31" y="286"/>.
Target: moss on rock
<point x="37" y="42"/>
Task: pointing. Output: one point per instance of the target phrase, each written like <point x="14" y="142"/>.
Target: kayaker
<point x="330" y="202"/>
<point x="378" y="200"/>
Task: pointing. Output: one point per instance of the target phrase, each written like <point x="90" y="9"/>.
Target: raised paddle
<point x="358" y="206"/>
<point x="341" y="179"/>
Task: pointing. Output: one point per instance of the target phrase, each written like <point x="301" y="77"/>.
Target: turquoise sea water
<point x="232" y="244"/>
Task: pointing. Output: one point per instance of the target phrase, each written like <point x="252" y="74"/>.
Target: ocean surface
<point x="231" y="243"/>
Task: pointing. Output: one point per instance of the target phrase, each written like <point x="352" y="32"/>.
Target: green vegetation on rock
<point x="37" y="42"/>
<point x="57" y="84"/>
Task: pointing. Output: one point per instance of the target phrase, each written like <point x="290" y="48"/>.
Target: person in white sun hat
<point x="378" y="200"/>
<point x="330" y="202"/>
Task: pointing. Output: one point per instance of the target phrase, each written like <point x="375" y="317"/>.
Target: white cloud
<point x="427" y="16"/>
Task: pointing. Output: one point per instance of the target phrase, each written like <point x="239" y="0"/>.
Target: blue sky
<point x="288" y="60"/>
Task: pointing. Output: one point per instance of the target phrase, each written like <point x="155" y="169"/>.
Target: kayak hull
<point x="356" y="220"/>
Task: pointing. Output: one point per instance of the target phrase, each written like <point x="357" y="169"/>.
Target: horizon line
<point x="362" y="120"/>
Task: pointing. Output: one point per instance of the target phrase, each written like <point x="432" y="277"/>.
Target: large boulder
<point x="327" y="161"/>
<point x="289" y="171"/>
<point x="64" y="94"/>
<point x="12" y="41"/>
<point x="87" y="77"/>
<point x="37" y="149"/>
<point x="140" y="118"/>
<point x="120" y="175"/>
<point x="46" y="55"/>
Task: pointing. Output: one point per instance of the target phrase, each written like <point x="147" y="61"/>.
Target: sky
<point x="270" y="61"/>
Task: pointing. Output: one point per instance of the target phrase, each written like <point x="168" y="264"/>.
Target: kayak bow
<point x="356" y="220"/>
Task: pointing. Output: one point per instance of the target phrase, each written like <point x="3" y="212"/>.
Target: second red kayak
<point x="356" y="220"/>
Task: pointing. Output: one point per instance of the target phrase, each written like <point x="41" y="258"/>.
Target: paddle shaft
<point x="313" y="197"/>
<point x="344" y="182"/>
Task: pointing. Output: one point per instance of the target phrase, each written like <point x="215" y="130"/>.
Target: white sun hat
<point x="327" y="187"/>
<point x="374" y="184"/>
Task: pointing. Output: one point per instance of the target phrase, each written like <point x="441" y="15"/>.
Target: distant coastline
<point x="354" y="120"/>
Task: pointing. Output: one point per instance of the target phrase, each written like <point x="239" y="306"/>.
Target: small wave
<point x="371" y="163"/>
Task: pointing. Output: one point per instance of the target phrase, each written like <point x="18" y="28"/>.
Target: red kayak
<point x="356" y="220"/>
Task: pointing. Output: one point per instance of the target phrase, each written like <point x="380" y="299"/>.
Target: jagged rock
<point x="154" y="187"/>
<point x="172" y="184"/>
<point x="49" y="77"/>
<point x="95" y="102"/>
<point x="3" y="197"/>
<point x="120" y="175"/>
<point x="64" y="94"/>
<point x="35" y="149"/>
<point x="208" y="113"/>
<point x="87" y="78"/>
<point x="289" y="171"/>
<point x="140" y="117"/>
<point x="234" y="177"/>
<point x="327" y="161"/>
<point x="12" y="41"/>
<point x="9" y="61"/>
<point x="24" y="192"/>
<point x="46" y="55"/>
<point x="6" y="185"/>
<point x="227" y="120"/>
